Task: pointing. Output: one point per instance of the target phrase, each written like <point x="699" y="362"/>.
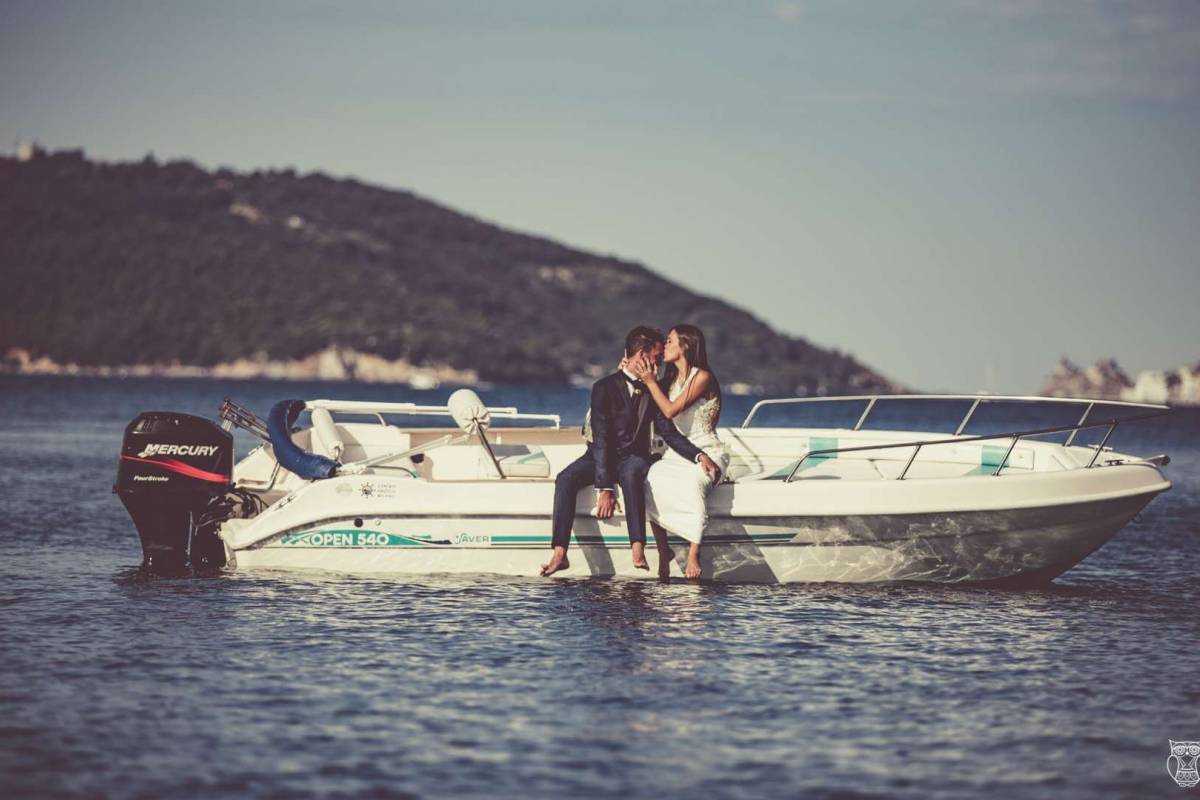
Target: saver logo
<point x="178" y="450"/>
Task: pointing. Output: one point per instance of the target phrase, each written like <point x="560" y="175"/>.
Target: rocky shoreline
<point x="330" y="364"/>
<point x="1105" y="380"/>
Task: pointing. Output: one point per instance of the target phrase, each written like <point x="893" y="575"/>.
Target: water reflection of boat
<point x="355" y="492"/>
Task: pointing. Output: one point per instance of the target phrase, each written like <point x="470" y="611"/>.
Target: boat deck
<point x="757" y="454"/>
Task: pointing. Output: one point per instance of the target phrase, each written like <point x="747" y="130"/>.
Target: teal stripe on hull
<point x="358" y="538"/>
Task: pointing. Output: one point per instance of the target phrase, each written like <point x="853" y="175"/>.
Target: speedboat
<point x="354" y="491"/>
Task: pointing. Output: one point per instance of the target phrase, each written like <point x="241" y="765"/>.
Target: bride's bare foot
<point x="557" y="562"/>
<point x="639" y="556"/>
<point x="693" y="563"/>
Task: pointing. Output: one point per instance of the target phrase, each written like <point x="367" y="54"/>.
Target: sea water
<point x="115" y="684"/>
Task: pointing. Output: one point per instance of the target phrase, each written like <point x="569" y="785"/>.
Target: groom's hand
<point x="710" y="468"/>
<point x="606" y="503"/>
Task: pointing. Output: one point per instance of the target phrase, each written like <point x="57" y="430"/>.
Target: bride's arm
<point x="660" y="399"/>
<point x="696" y="389"/>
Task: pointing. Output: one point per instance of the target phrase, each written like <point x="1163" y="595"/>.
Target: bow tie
<point x="638" y="386"/>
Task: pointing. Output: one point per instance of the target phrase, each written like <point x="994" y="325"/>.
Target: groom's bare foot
<point x="665" y="557"/>
<point x="557" y="563"/>
<point x="639" y="556"/>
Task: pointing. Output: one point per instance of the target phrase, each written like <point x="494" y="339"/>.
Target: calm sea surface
<point x="294" y="685"/>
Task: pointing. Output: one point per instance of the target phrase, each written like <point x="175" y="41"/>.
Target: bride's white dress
<point x="677" y="489"/>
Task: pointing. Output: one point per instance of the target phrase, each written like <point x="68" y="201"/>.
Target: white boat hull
<point x="796" y="504"/>
<point x="1030" y="544"/>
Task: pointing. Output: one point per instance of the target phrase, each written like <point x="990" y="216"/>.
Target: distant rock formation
<point x="28" y="151"/>
<point x="1178" y="387"/>
<point x="1105" y="380"/>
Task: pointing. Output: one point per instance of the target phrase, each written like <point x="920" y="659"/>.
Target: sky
<point x="956" y="192"/>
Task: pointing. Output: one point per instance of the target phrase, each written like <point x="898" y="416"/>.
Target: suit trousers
<point x="580" y="474"/>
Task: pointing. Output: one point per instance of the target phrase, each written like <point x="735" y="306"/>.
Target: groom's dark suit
<point x="619" y="454"/>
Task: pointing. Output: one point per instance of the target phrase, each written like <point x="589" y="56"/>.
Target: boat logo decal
<point x="358" y="538"/>
<point x="178" y="450"/>
<point x="182" y="468"/>
<point x="376" y="489"/>
<point x="472" y="538"/>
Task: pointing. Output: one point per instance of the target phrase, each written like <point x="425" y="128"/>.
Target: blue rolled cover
<point x="309" y="466"/>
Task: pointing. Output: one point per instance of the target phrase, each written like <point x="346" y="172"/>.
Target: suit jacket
<point x="618" y="430"/>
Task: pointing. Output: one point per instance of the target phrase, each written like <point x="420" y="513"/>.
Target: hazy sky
<point x="956" y="192"/>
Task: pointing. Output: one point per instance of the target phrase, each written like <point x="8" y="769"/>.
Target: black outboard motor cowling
<point x="173" y="469"/>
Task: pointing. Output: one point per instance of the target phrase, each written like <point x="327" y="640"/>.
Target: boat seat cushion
<point x="467" y="462"/>
<point x="778" y="467"/>
<point x="522" y="460"/>
<point x="364" y="440"/>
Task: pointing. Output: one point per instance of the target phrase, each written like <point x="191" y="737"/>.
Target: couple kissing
<point x="683" y="407"/>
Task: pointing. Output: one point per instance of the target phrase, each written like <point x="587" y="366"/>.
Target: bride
<point x="677" y="490"/>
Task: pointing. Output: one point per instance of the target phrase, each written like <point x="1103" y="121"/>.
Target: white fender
<point x="469" y="411"/>
<point x="326" y="431"/>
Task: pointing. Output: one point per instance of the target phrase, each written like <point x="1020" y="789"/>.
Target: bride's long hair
<point x="695" y="350"/>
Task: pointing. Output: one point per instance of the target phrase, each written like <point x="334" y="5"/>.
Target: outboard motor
<point x="175" y="469"/>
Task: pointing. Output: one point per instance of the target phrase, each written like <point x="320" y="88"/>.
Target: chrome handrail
<point x="872" y="399"/>
<point x="233" y="416"/>
<point x="1082" y="419"/>
<point x="378" y="409"/>
<point x="1015" y="435"/>
<point x="970" y="412"/>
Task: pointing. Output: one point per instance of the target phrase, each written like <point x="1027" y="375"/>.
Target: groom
<point x="619" y="453"/>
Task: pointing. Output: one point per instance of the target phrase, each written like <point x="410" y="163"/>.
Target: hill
<point x="149" y="263"/>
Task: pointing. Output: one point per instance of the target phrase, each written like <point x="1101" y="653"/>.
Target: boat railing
<point x="368" y="408"/>
<point x="1016" y="436"/>
<point x="976" y="400"/>
<point x="233" y="415"/>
